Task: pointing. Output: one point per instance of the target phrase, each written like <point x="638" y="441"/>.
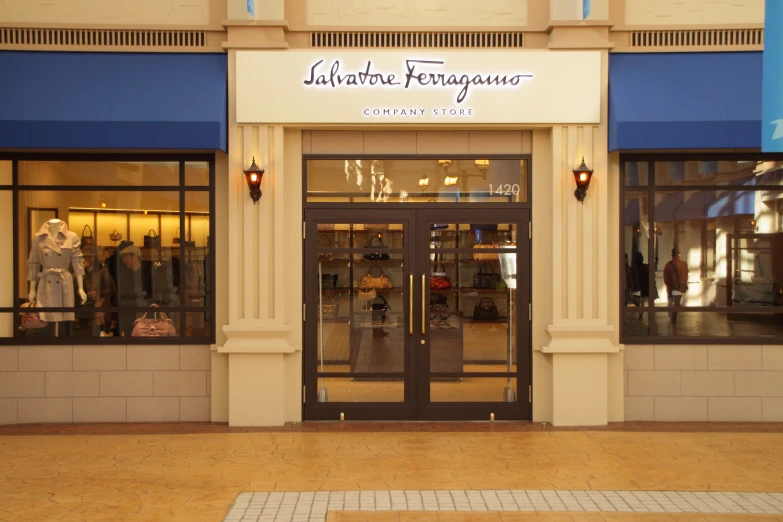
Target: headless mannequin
<point x="55" y="225"/>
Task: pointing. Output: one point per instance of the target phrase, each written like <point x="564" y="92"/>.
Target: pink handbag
<point x="31" y="320"/>
<point x="158" y="326"/>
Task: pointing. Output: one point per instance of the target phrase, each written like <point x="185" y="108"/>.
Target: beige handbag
<point x="366" y="293"/>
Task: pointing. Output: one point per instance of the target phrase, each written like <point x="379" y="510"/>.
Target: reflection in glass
<point x="711" y="173"/>
<point x="636" y="173"/>
<point x="637" y="230"/>
<point x="719" y="324"/>
<point x="105" y="173"/>
<point x="354" y="390"/>
<point x="361" y="310"/>
<point x="418" y="180"/>
<point x="197" y="173"/>
<point x="472" y="389"/>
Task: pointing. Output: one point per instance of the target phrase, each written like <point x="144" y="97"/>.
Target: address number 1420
<point x="504" y="189"/>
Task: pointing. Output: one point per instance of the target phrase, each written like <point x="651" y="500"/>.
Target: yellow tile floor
<point x="197" y="477"/>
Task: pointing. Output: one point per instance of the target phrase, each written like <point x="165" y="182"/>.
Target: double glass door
<point x="417" y="314"/>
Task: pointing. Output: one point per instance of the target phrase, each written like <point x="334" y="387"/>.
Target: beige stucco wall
<point x="704" y="383"/>
<point x="693" y="12"/>
<point x="128" y="12"/>
<point x="417" y="13"/>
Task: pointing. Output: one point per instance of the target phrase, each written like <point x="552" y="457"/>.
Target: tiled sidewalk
<point x="311" y="506"/>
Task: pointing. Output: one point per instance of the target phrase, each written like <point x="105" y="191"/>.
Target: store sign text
<point x="418" y="73"/>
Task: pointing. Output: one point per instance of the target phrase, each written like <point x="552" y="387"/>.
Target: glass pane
<point x="340" y="389"/>
<point x="197" y="173"/>
<point x="378" y="317"/>
<point x="636" y="231"/>
<point x="334" y="314"/>
<point x="635" y="323"/>
<point x="718" y="324"/>
<point x="7" y="325"/>
<point x="6" y="172"/>
<point x="103" y="173"/>
<point x="718" y="248"/>
<point x="710" y="173"/>
<point x="194" y="253"/>
<point x="6" y="254"/>
<point x="472" y="312"/>
<point x="418" y="181"/>
<point x="472" y="235"/>
<point x="636" y="173"/>
<point x="112" y="239"/>
<point x="198" y="324"/>
<point x="474" y="389"/>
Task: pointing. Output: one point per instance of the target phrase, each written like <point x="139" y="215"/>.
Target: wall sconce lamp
<point x="482" y="165"/>
<point x="253" y="176"/>
<point x="448" y="180"/>
<point x="753" y="225"/>
<point x="582" y="176"/>
<point x="424" y="181"/>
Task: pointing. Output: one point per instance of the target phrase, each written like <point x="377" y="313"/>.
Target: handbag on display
<point x="439" y="307"/>
<point x="31" y="320"/>
<point x="159" y="325"/>
<point x="440" y="281"/>
<point x="325" y="256"/>
<point x="115" y="235"/>
<point x="366" y="293"/>
<point x="486" y="280"/>
<point x="484" y="257"/>
<point x="329" y="311"/>
<point x="376" y="256"/>
<point x="152" y="239"/>
<point x="87" y="237"/>
<point x="485" y="310"/>
<point x="329" y="281"/>
<point x="380" y="282"/>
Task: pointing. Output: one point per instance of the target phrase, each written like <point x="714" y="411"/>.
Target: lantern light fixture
<point x="753" y="225"/>
<point x="582" y="175"/>
<point x="253" y="176"/>
<point x="424" y="181"/>
<point x="450" y="180"/>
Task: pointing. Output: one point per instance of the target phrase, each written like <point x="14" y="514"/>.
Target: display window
<point x="702" y="250"/>
<point x="107" y="250"/>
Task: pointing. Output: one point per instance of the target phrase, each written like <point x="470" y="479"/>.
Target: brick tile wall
<point x="703" y="383"/>
<point x="104" y="384"/>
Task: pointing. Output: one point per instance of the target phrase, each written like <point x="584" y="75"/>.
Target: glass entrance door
<point x="416" y="314"/>
<point x="473" y="356"/>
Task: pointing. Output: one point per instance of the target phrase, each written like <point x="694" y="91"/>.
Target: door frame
<point x="416" y="262"/>
<point x="311" y="408"/>
<point x="521" y="409"/>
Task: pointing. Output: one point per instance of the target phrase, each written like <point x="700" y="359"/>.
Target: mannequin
<point x="51" y="283"/>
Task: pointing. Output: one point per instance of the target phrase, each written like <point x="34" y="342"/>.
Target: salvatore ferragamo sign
<point x="452" y="87"/>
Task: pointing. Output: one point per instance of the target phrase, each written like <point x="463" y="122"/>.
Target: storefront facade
<point x="384" y="177"/>
<point x="417" y="251"/>
<point x="110" y="164"/>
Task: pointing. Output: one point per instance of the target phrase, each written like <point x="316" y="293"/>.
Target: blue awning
<point x="63" y="100"/>
<point x="684" y="100"/>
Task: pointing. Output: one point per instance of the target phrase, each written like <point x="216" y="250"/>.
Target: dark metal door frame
<point x="416" y="263"/>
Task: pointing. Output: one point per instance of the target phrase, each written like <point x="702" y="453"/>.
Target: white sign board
<point x="418" y="87"/>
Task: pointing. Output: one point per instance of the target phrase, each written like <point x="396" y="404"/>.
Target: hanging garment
<point x="48" y="264"/>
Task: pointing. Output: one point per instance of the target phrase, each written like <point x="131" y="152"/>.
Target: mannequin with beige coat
<point x="55" y="247"/>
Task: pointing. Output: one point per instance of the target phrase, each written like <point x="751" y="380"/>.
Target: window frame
<point x="210" y="307"/>
<point x="650" y="191"/>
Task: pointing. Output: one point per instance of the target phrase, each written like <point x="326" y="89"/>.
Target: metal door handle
<point x="423" y="309"/>
<point x="410" y="302"/>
